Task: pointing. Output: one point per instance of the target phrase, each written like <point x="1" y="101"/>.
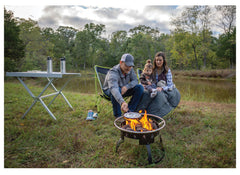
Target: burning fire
<point x="144" y="122"/>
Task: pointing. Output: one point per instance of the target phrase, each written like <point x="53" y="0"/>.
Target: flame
<point x="132" y="123"/>
<point x="144" y="122"/>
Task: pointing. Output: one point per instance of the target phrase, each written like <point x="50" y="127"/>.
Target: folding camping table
<point x="50" y="77"/>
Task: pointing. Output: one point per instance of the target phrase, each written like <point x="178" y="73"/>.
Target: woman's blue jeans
<point x="136" y="93"/>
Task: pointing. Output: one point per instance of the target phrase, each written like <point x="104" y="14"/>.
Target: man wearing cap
<point x="121" y="81"/>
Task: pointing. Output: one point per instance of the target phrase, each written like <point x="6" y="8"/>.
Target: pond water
<point x="223" y="91"/>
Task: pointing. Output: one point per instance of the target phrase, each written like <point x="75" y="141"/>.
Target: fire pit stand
<point x="145" y="137"/>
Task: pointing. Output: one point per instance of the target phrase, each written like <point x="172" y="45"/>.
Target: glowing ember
<point x="143" y="124"/>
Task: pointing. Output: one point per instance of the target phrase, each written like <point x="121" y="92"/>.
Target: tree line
<point x="191" y="45"/>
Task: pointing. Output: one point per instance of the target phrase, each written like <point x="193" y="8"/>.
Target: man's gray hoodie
<point x="115" y="79"/>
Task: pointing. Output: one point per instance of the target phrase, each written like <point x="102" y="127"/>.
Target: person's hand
<point x="124" y="107"/>
<point x="124" y="90"/>
<point x="149" y="83"/>
<point x="159" y="89"/>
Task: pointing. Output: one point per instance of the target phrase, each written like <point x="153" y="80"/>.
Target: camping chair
<point x="100" y="74"/>
<point x="139" y="71"/>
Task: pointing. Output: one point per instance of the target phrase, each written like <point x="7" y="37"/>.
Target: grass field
<point x="197" y="135"/>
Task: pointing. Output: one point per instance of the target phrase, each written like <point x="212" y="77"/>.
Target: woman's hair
<point x="165" y="67"/>
<point x="148" y="65"/>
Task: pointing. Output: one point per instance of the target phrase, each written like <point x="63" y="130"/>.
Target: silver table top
<point x="40" y="74"/>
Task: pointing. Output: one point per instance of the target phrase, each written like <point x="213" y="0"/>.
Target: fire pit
<point x="144" y="128"/>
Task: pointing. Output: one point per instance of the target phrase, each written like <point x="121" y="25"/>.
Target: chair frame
<point x="98" y="81"/>
<point x="139" y="71"/>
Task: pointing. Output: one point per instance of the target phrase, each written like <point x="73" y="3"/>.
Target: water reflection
<point x="190" y="89"/>
<point x="207" y="90"/>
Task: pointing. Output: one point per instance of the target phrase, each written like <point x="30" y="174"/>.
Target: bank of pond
<point x="191" y="89"/>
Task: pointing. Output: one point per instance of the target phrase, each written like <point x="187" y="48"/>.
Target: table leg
<point x="41" y="101"/>
<point x="35" y="101"/>
<point x="44" y="105"/>
<point x="28" y="90"/>
<point x="60" y="92"/>
<point x="38" y="98"/>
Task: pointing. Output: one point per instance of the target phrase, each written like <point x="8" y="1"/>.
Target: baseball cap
<point x="128" y="59"/>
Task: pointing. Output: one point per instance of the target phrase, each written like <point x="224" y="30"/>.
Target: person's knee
<point x="139" y="88"/>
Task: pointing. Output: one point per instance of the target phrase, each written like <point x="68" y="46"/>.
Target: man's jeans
<point x="136" y="94"/>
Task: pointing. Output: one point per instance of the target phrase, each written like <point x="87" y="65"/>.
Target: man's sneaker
<point x="90" y="115"/>
<point x="154" y="93"/>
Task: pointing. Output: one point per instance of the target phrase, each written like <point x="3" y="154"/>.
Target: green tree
<point x="228" y="39"/>
<point x="187" y="21"/>
<point x="63" y="40"/>
<point x="142" y="43"/>
<point x="196" y="21"/>
<point x="102" y="54"/>
<point x="81" y="49"/>
<point x="140" y="46"/>
<point x="95" y="32"/>
<point x="227" y="48"/>
<point x="118" y="46"/>
<point x="13" y="45"/>
<point x="180" y="46"/>
<point x="205" y="34"/>
<point x="36" y="47"/>
<point x="87" y="43"/>
<point x="145" y="30"/>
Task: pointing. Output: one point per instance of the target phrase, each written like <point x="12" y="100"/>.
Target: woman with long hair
<point x="168" y="96"/>
<point x="162" y="73"/>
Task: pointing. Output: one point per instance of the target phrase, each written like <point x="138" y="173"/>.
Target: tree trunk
<point x="204" y="59"/>
<point x="195" y="54"/>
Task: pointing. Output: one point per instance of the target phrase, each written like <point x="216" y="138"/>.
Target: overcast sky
<point x="115" y="16"/>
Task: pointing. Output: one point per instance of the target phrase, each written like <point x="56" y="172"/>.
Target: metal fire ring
<point x="161" y="124"/>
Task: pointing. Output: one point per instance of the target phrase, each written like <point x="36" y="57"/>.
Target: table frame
<point x="50" y="77"/>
